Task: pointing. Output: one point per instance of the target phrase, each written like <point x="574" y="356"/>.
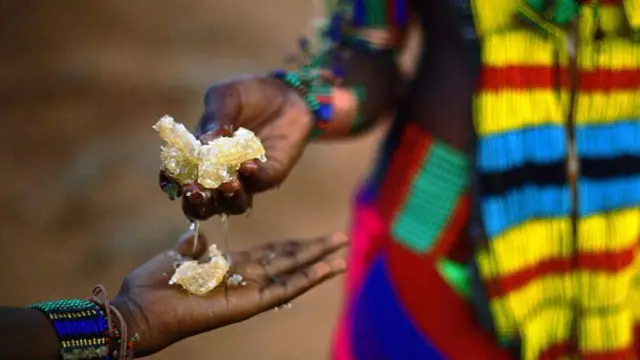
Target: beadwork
<point x="81" y="326"/>
<point x="310" y="82"/>
<point x="537" y="266"/>
<point x="364" y="24"/>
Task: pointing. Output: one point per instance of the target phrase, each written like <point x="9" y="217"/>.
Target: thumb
<point x="190" y="245"/>
<point x="221" y="109"/>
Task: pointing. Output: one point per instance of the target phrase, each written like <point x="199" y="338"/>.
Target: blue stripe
<point x="544" y="144"/>
<point x="358" y="12"/>
<point x="367" y="194"/>
<point x="499" y="213"/>
<point x="609" y="140"/>
<point x="598" y="196"/>
<point x="381" y="328"/>
<point x="401" y="12"/>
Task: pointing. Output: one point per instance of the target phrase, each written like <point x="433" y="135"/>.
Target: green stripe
<point x="359" y="122"/>
<point x="456" y="275"/>
<point x="434" y="193"/>
<point x="376" y="13"/>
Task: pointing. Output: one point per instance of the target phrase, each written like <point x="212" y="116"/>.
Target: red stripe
<point x="621" y="354"/>
<point x="557" y="351"/>
<point x="520" y="77"/>
<point x="324" y="99"/>
<point x="436" y="310"/>
<point x="452" y="230"/>
<point x="543" y="77"/>
<point x="606" y="80"/>
<point x="566" y="349"/>
<point x="607" y="262"/>
<point x="391" y="13"/>
<point x="405" y="162"/>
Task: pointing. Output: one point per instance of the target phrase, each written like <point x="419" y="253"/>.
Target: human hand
<point x="277" y="114"/>
<point x="275" y="273"/>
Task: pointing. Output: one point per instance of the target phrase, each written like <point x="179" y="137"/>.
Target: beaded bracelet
<point x="81" y="326"/>
<point x="311" y="83"/>
<point x="86" y="329"/>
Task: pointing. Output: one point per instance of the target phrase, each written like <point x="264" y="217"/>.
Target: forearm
<point x="27" y="334"/>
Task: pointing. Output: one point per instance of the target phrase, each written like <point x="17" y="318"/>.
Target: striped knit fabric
<point x="545" y="283"/>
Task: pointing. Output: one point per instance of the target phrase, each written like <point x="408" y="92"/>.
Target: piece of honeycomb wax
<point x="222" y="157"/>
<point x="180" y="155"/>
<point x="201" y="278"/>
<point x="186" y="160"/>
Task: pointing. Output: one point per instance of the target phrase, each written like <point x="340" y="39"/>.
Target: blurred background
<point x="81" y="84"/>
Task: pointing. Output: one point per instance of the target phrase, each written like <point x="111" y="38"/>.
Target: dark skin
<point x="275" y="274"/>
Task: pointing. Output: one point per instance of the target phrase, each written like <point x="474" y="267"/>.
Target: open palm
<point x="273" y="274"/>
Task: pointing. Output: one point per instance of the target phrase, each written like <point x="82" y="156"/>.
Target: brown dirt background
<point x="81" y="83"/>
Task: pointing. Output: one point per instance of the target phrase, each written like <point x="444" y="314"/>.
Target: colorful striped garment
<point x="557" y="264"/>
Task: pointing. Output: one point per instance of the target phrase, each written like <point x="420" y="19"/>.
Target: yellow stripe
<point x="512" y="110"/>
<point x="612" y="21"/>
<point x="634" y="293"/>
<point x="598" y="290"/>
<point x="550" y="326"/>
<point x="632" y="8"/>
<point x="605" y="332"/>
<point x="514" y="250"/>
<point x="606" y="108"/>
<point x="609" y="53"/>
<point x="517" y="47"/>
<point x="613" y="231"/>
<point x="494" y="15"/>
<point x="523" y="302"/>
<point x="603" y="289"/>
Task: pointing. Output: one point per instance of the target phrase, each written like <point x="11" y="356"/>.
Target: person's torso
<point x="499" y="111"/>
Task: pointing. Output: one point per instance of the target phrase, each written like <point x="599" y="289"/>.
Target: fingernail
<point x="248" y="168"/>
<point x="338" y="264"/>
<point x="339" y="238"/>
<point x="321" y="269"/>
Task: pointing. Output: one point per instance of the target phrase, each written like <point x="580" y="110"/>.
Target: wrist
<point x="126" y="322"/>
<point x="312" y="87"/>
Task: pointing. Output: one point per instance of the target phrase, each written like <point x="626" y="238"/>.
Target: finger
<point x="249" y="168"/>
<point x="222" y="104"/>
<point x="296" y="284"/>
<point x="294" y="255"/>
<point x="228" y="188"/>
<point x="260" y="178"/>
<point x="226" y="130"/>
<point x="235" y="203"/>
<point x="200" y="210"/>
<point x="187" y="245"/>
